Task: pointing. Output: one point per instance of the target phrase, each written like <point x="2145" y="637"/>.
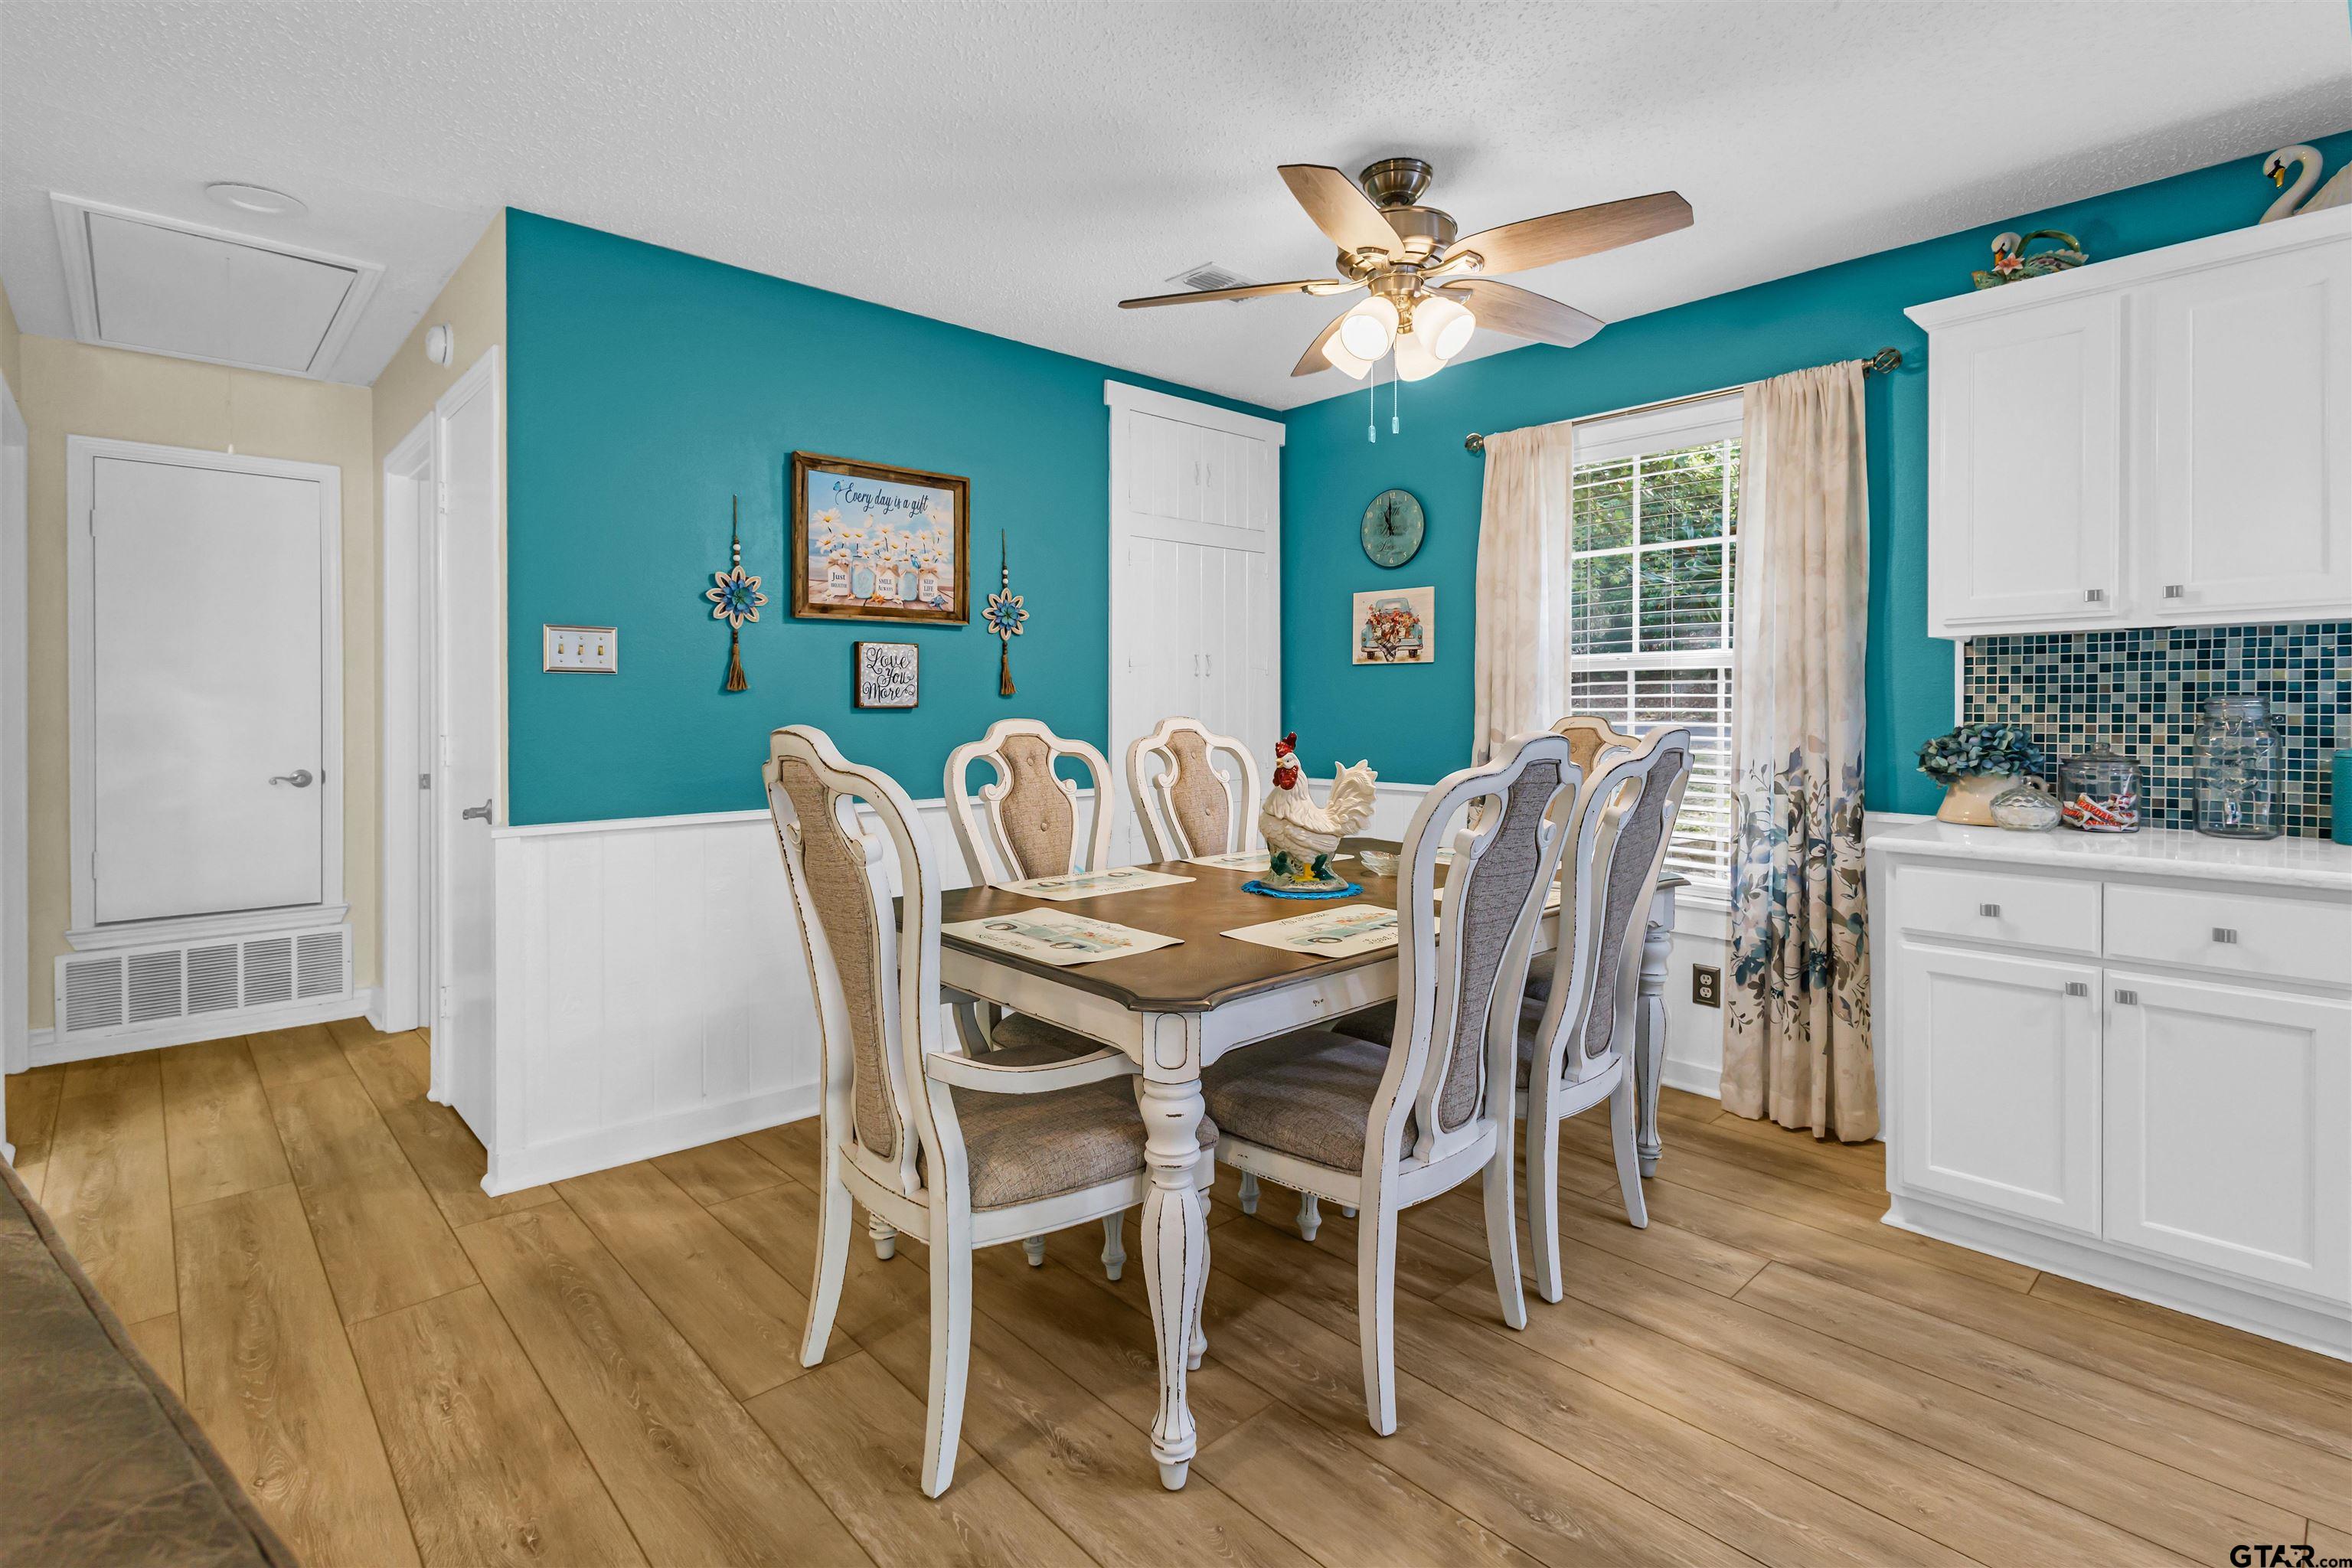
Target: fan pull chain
<point x="1372" y="409"/>
<point x="1396" y="404"/>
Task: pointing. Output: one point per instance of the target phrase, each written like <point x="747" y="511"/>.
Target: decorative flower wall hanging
<point x="736" y="598"/>
<point x="1004" y="616"/>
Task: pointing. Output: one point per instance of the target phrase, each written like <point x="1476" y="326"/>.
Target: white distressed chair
<point x="1187" y="803"/>
<point x="1023" y="823"/>
<point x="1382" y="1128"/>
<point x="1575" y="1048"/>
<point x="960" y="1152"/>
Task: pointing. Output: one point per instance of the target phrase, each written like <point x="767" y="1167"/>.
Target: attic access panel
<point x="138" y="282"/>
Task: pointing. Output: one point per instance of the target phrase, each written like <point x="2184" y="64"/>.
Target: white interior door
<point x="15" y="1045"/>
<point x="208" y="719"/>
<point x="468" y="645"/>
<point x="1196" y="609"/>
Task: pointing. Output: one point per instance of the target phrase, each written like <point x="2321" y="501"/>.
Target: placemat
<point x="1341" y="930"/>
<point x="1058" y="937"/>
<point x="1091" y="884"/>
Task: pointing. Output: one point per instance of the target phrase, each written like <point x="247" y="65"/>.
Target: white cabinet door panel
<point x="207" y="627"/>
<point x="2226" y="1113"/>
<point x="2247" y="447"/>
<point x="2027" y="468"/>
<point x="2000" y="1082"/>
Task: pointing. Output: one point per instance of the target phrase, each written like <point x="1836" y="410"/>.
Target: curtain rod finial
<point x="1474" y="442"/>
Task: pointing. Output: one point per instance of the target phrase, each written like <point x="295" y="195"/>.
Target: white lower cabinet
<point x="2000" y="1082"/>
<point x="2125" y="1060"/>
<point x="2225" y="1129"/>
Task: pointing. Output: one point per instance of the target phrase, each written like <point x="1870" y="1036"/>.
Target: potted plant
<point x="1975" y="763"/>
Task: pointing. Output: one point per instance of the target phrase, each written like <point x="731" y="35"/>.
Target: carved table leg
<point x="1175" y="1232"/>
<point x="1649" y="1024"/>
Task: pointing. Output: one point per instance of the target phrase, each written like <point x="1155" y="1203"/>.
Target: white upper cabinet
<point x="2245" y="454"/>
<point x="2028" y="413"/>
<point x="2162" y="439"/>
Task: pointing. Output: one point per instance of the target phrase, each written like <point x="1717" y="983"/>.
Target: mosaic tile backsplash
<point x="2142" y="693"/>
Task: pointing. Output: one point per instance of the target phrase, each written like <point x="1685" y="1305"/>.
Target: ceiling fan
<point x="1429" y="290"/>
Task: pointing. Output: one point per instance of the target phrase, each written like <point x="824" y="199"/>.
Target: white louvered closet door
<point x="1196" y="612"/>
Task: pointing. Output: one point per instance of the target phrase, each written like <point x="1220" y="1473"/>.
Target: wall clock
<point x="1392" y="526"/>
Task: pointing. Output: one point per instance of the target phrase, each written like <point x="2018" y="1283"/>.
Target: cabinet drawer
<point x="2049" y="913"/>
<point x="2289" y="938"/>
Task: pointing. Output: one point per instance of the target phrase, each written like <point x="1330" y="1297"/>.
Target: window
<point x="1655" y="514"/>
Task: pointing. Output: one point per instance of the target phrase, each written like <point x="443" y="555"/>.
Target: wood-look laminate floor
<point x="405" y="1369"/>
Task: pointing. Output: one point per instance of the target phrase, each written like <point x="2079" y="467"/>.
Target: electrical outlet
<point x="581" y="651"/>
<point x="1707" y="985"/>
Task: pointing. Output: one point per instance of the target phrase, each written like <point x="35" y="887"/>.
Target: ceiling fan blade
<point x="1522" y="314"/>
<point x="1341" y="209"/>
<point x="1312" y="360"/>
<point x="1561" y="236"/>
<point x="1246" y="292"/>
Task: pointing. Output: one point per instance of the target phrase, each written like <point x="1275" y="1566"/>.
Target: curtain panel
<point x="1520" y="666"/>
<point x="1797" y="1023"/>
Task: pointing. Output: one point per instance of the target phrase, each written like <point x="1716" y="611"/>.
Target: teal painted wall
<point x="646" y="387"/>
<point x="1414" y="723"/>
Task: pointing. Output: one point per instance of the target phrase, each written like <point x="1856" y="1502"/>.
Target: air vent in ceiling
<point x="1209" y="274"/>
<point x="161" y="286"/>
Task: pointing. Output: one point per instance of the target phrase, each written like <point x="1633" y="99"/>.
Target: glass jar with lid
<point x="2238" y="769"/>
<point x="2098" y="792"/>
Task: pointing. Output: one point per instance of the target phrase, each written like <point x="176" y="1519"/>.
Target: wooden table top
<point x="1205" y="968"/>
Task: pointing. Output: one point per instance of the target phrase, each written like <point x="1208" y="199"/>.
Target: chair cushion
<point x="1376" y="1025"/>
<point x="1023" y="1147"/>
<point x="1308" y="1094"/>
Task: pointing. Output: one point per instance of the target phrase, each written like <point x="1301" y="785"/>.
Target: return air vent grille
<point x="93" y="999"/>
<point x="211" y="977"/>
<point x="149" y="990"/>
<point x="268" y="972"/>
<point x="156" y="985"/>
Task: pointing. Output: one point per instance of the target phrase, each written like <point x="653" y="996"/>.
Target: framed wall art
<point x="888" y="674"/>
<point x="875" y="543"/>
<point x="1398" y="627"/>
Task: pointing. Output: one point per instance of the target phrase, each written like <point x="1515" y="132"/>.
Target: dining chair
<point x="1576" y="1035"/>
<point x="1592" y="741"/>
<point x="960" y="1152"/>
<point x="1383" y="1129"/>
<point x="1023" y="823"/>
<point x="1187" y="805"/>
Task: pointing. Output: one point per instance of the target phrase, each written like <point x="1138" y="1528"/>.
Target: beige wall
<point x="474" y="303"/>
<point x="68" y="388"/>
<point x="9" y="354"/>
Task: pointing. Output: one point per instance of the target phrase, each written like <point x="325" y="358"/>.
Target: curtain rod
<point x="1882" y="361"/>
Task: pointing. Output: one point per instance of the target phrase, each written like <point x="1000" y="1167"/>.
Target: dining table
<point x="1176" y="1009"/>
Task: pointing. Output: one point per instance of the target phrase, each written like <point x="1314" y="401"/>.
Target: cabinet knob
<point x="2225" y="935"/>
<point x="2095" y="595"/>
<point x="2176" y="590"/>
<point x="1990" y="911"/>
<point x="2078" y="988"/>
<point x="2128" y="998"/>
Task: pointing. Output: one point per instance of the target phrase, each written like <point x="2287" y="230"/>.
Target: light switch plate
<point x="581" y="651"/>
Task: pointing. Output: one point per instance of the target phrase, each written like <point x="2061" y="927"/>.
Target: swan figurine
<point x="2336" y="193"/>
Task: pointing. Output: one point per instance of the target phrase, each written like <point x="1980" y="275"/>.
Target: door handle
<point x="1990" y="911"/>
<point x="481" y="811"/>
<point x="2077" y="988"/>
<point x="2128" y="998"/>
<point x="299" y="778"/>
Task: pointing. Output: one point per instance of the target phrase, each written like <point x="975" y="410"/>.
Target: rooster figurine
<point x="1302" y="834"/>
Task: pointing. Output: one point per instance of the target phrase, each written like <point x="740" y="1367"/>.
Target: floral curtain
<point x="1797" y="1030"/>
<point x="1521" y="668"/>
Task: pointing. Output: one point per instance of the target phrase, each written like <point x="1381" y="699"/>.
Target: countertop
<point x="2315" y="863"/>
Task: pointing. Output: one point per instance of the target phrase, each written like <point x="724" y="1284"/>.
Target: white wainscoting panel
<point x="651" y="991"/>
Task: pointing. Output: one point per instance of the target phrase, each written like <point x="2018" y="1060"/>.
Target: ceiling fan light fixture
<point x="1368" y="330"/>
<point x="1414" y="362"/>
<point x="1445" y="324"/>
<point x="1336" y="353"/>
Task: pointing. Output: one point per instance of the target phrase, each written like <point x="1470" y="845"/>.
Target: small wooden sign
<point x="888" y="674"/>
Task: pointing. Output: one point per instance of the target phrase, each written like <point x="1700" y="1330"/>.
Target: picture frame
<point x="886" y="675"/>
<point x="1395" y="626"/>
<point x="873" y="543"/>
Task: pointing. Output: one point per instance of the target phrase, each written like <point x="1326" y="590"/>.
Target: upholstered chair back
<point x="1624" y="823"/>
<point x="1024" y="822"/>
<point x="1463" y="958"/>
<point x="875" y="977"/>
<point x="1187" y="803"/>
<point x="1593" y="742"/>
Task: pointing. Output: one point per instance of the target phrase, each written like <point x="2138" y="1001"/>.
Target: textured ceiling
<point x="1018" y="168"/>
